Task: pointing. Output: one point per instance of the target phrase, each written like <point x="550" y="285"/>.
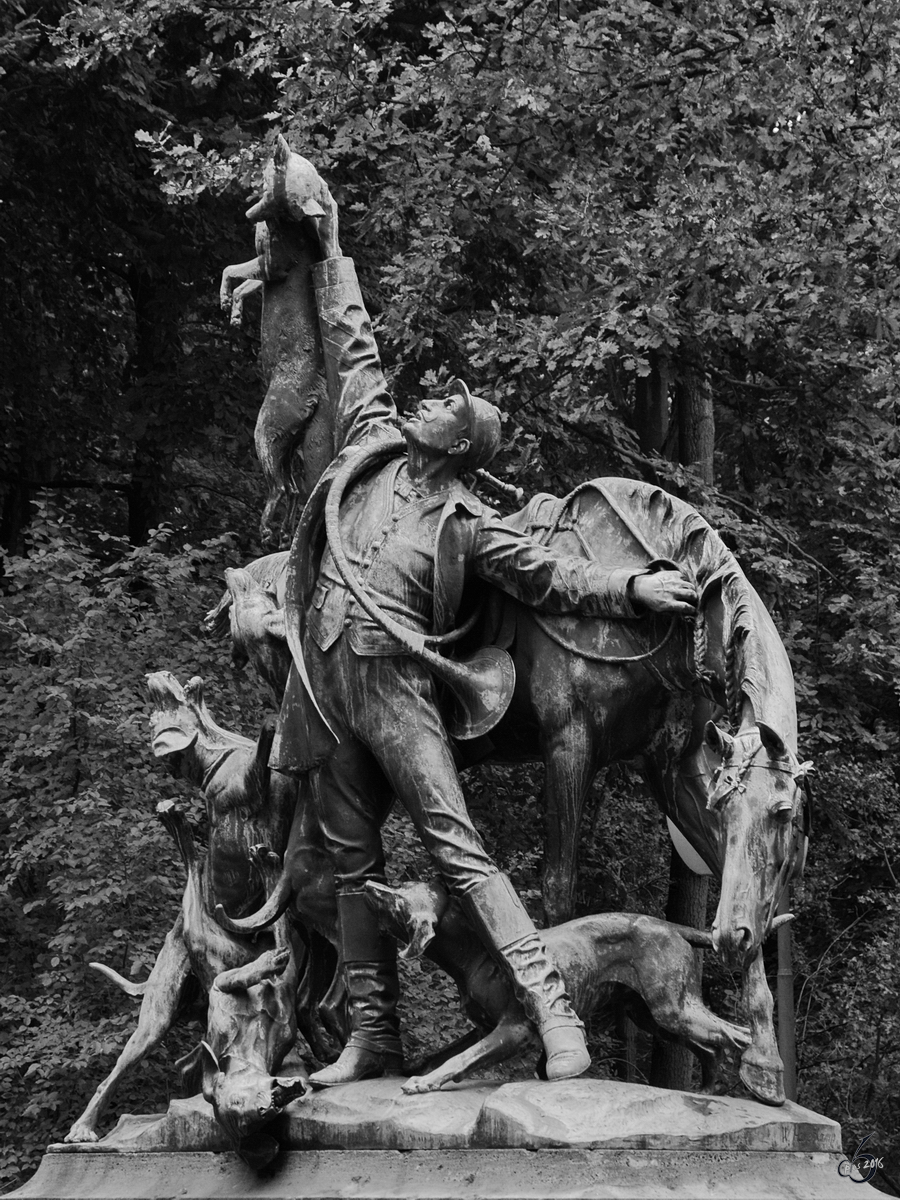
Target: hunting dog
<point x="252" y="610"/>
<point x="594" y="954"/>
<point x="254" y="987"/>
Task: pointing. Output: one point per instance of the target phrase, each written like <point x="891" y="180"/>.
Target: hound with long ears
<point x="595" y="955"/>
<point x="295" y="414"/>
<point x="249" y="805"/>
<point x="252" y="985"/>
<point x="251" y="1019"/>
<point x="246" y="803"/>
<point x="253" y="606"/>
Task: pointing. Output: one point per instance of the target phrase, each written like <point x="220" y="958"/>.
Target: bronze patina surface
<point x="408" y="630"/>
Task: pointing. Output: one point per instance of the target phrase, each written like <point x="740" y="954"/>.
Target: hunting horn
<point x="482" y="685"/>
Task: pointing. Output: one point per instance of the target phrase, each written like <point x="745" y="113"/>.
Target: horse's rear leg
<point x="569" y="769"/>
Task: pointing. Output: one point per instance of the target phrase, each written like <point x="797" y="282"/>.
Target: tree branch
<point x="648" y="467"/>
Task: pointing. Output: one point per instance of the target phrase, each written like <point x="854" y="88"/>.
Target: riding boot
<point x="506" y="928"/>
<point x="370" y="968"/>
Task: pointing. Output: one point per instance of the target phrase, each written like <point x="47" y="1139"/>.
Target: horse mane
<point x="626" y="523"/>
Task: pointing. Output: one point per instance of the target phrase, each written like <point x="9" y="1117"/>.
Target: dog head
<point x="410" y="911"/>
<point x="257" y="629"/>
<point x="182" y="729"/>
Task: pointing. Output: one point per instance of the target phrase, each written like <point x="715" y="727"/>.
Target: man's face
<point x="439" y="424"/>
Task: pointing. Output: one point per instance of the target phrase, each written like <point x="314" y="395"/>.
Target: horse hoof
<point x="766" y="1082"/>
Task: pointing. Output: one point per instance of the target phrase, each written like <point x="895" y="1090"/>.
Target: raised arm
<point x="355" y="380"/>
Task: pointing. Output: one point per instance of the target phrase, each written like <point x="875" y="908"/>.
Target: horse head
<point x="760" y="796"/>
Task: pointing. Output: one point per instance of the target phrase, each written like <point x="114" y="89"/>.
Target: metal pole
<point x="787" y="1033"/>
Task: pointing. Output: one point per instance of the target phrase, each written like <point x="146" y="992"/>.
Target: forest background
<point x="662" y="236"/>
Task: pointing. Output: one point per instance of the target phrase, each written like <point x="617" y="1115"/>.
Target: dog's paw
<point x="421" y="1083"/>
<point x="81" y="1133"/>
<point x="275" y="962"/>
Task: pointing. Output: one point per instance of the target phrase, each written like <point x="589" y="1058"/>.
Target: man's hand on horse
<point x="664" y="591"/>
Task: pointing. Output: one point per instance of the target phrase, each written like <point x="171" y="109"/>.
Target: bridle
<point x="731" y="782"/>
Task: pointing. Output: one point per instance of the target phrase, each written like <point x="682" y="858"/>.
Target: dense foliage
<point x="578" y="207"/>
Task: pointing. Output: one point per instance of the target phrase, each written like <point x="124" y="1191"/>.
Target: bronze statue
<point x="391" y="519"/>
<point x="630" y="673"/>
<point x="410" y="632"/>
<point x="382" y="568"/>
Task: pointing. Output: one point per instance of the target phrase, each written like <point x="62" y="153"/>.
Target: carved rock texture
<point x="580" y="1114"/>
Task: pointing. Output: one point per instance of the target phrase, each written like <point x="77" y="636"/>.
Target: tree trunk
<point x="696" y="420"/>
<point x="150" y="379"/>
<point x="673" y="1066"/>
<point x="144" y="494"/>
<point x="651" y="406"/>
<point x="15" y="514"/>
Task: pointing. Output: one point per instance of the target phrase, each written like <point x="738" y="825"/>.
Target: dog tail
<point x="271" y="911"/>
<point x="132" y="989"/>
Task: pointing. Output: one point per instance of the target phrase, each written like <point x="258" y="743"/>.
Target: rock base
<point x="447" y="1175"/>
<point x="590" y="1139"/>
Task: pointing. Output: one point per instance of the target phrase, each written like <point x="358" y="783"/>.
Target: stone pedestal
<point x="590" y="1139"/>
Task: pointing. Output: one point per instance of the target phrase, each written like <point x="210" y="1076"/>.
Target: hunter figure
<point x="361" y="717"/>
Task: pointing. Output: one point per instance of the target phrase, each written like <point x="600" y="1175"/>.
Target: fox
<point x="293" y="437"/>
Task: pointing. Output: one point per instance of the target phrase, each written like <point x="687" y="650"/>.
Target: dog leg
<point x="691" y="1021"/>
<point x="697" y="1023"/>
<point x="664" y="974"/>
<point x="317" y="999"/>
<point x="269" y="965"/>
<point x="499" y="1045"/>
<point x="709" y="1060"/>
<point x="158" y="1009"/>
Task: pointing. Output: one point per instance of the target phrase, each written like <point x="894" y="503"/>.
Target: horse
<point x="593" y="691"/>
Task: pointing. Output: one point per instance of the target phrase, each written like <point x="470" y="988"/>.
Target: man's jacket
<point x="471" y="540"/>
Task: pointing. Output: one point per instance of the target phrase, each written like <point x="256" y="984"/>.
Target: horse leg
<point x="569" y="769"/>
<point x="762" y="1070"/>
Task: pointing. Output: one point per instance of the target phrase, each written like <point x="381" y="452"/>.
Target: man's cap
<point x="484" y="426"/>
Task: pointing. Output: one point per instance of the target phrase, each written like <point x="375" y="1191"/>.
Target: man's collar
<point x="461" y="497"/>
